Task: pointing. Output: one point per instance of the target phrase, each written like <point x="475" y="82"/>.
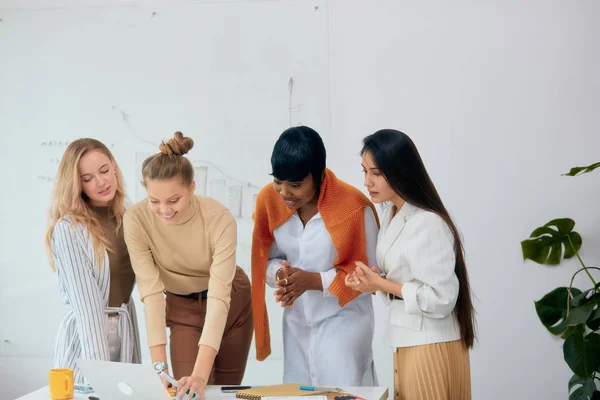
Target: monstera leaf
<point x="571" y="330"/>
<point x="579" y="315"/>
<point x="576" y="170"/>
<point x="582" y="353"/>
<point x="552" y="309"/>
<point x="545" y="244"/>
<point x="585" y="297"/>
<point x="586" y="388"/>
<point x="573" y="315"/>
<point x="593" y="321"/>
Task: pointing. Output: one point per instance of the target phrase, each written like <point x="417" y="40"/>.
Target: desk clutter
<point x="287" y="391"/>
<point x="347" y="398"/>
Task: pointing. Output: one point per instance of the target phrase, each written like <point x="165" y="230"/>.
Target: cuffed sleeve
<point x="326" y="278"/>
<point x="276" y="256"/>
<point x="432" y="259"/>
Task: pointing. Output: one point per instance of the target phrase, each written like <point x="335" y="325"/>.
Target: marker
<point x="320" y="389"/>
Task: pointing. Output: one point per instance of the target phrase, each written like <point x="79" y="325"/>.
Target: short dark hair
<point x="298" y="152"/>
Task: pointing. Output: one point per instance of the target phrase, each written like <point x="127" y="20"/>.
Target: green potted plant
<point x="568" y="312"/>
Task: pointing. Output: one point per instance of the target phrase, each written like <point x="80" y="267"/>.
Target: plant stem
<point x="571" y="285"/>
<point x="581" y="261"/>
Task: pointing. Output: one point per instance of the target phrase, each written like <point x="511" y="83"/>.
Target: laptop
<point x="120" y="381"/>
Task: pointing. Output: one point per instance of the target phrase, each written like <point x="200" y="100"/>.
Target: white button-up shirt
<point x="324" y="344"/>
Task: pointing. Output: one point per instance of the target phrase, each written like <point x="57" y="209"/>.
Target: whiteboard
<point x="231" y="75"/>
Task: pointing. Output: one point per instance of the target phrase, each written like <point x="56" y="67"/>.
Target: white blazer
<point x="416" y="249"/>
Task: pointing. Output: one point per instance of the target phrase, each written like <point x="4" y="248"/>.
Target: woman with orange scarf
<point x="309" y="229"/>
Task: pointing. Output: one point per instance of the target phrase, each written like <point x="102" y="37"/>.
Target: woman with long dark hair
<point x="424" y="280"/>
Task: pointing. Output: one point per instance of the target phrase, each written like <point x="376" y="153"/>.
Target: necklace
<point x="305" y="220"/>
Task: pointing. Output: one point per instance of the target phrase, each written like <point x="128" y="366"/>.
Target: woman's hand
<point x="295" y="282"/>
<point x="351" y="280"/>
<point x="192" y="385"/>
<point x="165" y="382"/>
<point x="364" y="279"/>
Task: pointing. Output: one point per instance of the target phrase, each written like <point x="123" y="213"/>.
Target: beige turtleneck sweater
<point x="195" y="254"/>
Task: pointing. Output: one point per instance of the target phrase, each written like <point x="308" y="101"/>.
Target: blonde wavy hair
<point x="68" y="198"/>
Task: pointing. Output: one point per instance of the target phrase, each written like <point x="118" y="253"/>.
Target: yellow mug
<point x="61" y="383"/>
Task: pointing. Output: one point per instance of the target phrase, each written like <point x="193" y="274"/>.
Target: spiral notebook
<point x="282" y="390"/>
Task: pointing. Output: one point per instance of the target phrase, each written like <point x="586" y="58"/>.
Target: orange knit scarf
<point x="342" y="209"/>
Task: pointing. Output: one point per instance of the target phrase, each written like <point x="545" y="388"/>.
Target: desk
<point x="214" y="393"/>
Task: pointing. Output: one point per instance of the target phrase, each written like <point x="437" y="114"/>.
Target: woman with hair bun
<point x="182" y="249"/>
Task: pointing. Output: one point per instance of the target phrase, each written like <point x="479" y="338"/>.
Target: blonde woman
<point x="184" y="246"/>
<point x="87" y="250"/>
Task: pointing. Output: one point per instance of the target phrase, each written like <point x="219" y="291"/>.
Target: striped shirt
<point x="85" y="288"/>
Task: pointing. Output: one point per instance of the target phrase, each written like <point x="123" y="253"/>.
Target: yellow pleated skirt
<point x="439" y="371"/>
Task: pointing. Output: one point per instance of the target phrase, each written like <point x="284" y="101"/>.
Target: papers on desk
<point x="219" y="397"/>
<point x="224" y="397"/>
<point x="296" y="397"/>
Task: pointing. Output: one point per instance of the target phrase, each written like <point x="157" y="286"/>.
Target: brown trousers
<point x="185" y="318"/>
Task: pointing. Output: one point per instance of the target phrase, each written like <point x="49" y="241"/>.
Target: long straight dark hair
<point x="398" y="159"/>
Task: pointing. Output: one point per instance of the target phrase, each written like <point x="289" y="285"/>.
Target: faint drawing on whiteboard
<point x="140" y="191"/>
<point x="54" y="150"/>
<point x="200" y="176"/>
<point x="218" y="190"/>
<point x="235" y="200"/>
<point x="211" y="181"/>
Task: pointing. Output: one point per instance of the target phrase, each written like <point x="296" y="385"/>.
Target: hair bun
<point x="178" y="145"/>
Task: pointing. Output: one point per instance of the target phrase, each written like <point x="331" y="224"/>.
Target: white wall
<point x="130" y="74"/>
<point x="501" y="97"/>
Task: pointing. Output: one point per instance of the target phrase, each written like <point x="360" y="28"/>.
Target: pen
<point x="320" y="389"/>
<point x="169" y="379"/>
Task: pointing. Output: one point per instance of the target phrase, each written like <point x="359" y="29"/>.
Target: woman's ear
<point x="192" y="187"/>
